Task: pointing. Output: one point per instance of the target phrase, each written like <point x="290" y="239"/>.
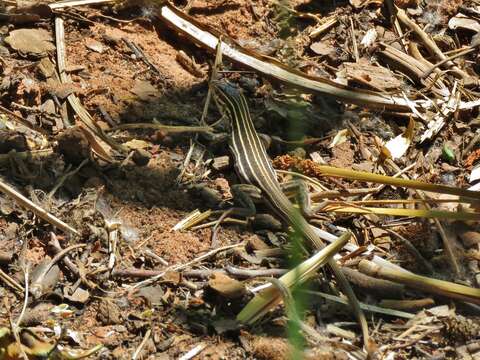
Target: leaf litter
<point x="98" y="210"/>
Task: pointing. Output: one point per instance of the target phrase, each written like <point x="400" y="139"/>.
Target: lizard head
<point x="227" y="93"/>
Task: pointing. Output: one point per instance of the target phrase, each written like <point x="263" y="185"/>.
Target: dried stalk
<point x="209" y="39"/>
<point x="422" y="283"/>
<point x="37" y="210"/>
<point x="430" y="45"/>
<point x="75" y="103"/>
<point x="270" y="297"/>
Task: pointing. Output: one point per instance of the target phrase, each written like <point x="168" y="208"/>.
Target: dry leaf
<point x="95" y="145"/>
<point x="339" y="138"/>
<point x="144" y="90"/>
<point x="94" y="45"/>
<point x="363" y="3"/>
<point x="398" y="146"/>
<point x="369" y="38"/>
<point x="35" y="42"/>
<point x="137" y="144"/>
<point x="463" y="22"/>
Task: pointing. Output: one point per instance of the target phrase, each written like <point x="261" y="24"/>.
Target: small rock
<point x="111" y="40"/>
<point x="12" y="140"/>
<point x="79" y="296"/>
<point x="376" y="77"/>
<point x="316" y="157"/>
<point x="42" y="283"/>
<point x="94" y="182"/>
<point x="94" y="45"/>
<point x="37" y="315"/>
<point x="222" y="326"/>
<point x="153" y="294"/>
<point x="144" y="90"/>
<point x="73" y="145"/>
<point x="211" y="197"/>
<point x="255" y="243"/>
<point x="62" y="91"/>
<point x="108" y="313"/>
<point x="470" y="238"/>
<point x="323" y="49"/>
<point x="266" y="221"/>
<point x="48" y="107"/>
<point x="4" y="51"/>
<point x="74" y="68"/>
<point x="141" y="157"/>
<point x="226" y="287"/>
<point x="298" y="152"/>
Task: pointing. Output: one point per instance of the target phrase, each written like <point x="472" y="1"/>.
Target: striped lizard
<point x="254" y="167"/>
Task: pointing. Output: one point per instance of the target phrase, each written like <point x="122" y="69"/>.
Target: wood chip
<point x="221" y="163"/>
<point x="226" y="287"/>
<point x="375" y="77"/>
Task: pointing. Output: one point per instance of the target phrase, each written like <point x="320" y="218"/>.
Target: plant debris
<point x="125" y="236"/>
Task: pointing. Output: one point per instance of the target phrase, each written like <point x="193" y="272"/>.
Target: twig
<point x="185" y="265"/>
<point x="366" y="307"/>
<point x="329" y="194"/>
<point x="222" y="217"/>
<point x="24" y="155"/>
<point x="191" y="219"/>
<point x="33" y="110"/>
<point x="22" y="121"/>
<point x="73" y="100"/>
<point x="413" y="68"/>
<point x="413" y="251"/>
<point x="186" y="25"/>
<point x="186" y="161"/>
<point x="72" y="3"/>
<point x="11" y="282"/>
<point x="141" y="55"/>
<point x="64" y="177"/>
<point x="373" y="285"/>
<point x="254" y="273"/>
<point x="194" y="352"/>
<point x="327" y="25"/>
<point x="41" y="213"/>
<point x="166" y="128"/>
<point x="228" y="220"/>
<point x="354" y="41"/>
<point x="37" y="286"/>
<point x="411" y="305"/>
<point x="393" y="18"/>
<point x="447" y="59"/>
<point x="213" y="78"/>
<point x="142" y="344"/>
<point x="302" y="176"/>
<point x="446" y="242"/>
<point x="156" y="257"/>
<point x="25" y="299"/>
<point x="17" y="339"/>
<point x="422" y="283"/>
<point x="430" y="45"/>
<point x="57" y="248"/>
<point x="113" y="233"/>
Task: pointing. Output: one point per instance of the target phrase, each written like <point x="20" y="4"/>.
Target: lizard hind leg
<point x="298" y="189"/>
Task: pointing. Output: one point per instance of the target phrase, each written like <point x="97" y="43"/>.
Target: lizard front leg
<point x="244" y="198"/>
